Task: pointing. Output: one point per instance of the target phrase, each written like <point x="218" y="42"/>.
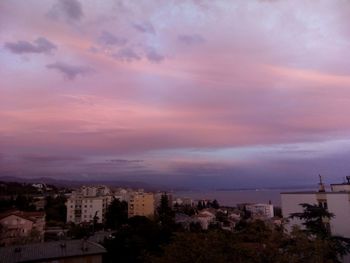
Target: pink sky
<point x="233" y="92"/>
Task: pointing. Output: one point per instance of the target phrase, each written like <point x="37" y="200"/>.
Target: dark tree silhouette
<point x="165" y="214"/>
<point x="315" y="219"/>
<point x="117" y="214"/>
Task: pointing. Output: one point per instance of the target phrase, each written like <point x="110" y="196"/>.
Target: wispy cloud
<point x="70" y="71"/>
<point x="191" y="39"/>
<point x="153" y="56"/>
<point x="40" y="45"/>
<point x="126" y="54"/>
<point x="70" y="10"/>
<point x="145" y="27"/>
<point x="108" y="38"/>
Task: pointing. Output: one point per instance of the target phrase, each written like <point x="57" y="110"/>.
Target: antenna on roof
<point x="348" y="179"/>
<point x="321" y="185"/>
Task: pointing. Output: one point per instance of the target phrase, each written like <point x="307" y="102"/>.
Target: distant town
<point x="113" y="224"/>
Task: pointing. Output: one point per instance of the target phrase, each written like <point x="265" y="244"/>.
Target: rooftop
<point x="49" y="251"/>
<point x="316" y="192"/>
<point x="24" y="214"/>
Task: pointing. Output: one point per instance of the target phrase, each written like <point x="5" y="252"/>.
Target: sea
<point x="234" y="197"/>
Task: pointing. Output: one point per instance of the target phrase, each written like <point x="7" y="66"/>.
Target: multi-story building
<point x="17" y="226"/>
<point x="88" y="204"/>
<point x="122" y="194"/>
<point x="100" y="190"/>
<point x="141" y="204"/>
<point x="336" y="201"/>
<point x="260" y="210"/>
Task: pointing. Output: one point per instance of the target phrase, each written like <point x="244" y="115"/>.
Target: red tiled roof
<point x="24" y="214"/>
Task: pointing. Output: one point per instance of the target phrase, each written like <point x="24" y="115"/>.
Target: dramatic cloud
<point x="69" y="9"/>
<point x="226" y="92"/>
<point x="191" y="39"/>
<point x="70" y="71"/>
<point x="48" y="159"/>
<point x="40" y="45"/>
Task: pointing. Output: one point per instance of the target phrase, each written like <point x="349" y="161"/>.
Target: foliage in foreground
<point x="160" y="241"/>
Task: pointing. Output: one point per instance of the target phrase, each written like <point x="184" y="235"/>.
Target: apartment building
<point x="336" y="201"/>
<point x="260" y="210"/>
<point x="88" y="203"/>
<point x="141" y="204"/>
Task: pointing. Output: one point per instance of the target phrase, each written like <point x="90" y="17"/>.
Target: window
<point x="323" y="204"/>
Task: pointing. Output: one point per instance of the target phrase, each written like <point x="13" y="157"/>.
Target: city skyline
<point x="192" y="93"/>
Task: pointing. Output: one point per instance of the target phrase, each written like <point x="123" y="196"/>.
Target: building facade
<point x="141" y="204"/>
<point x="260" y="210"/>
<point x="19" y="227"/>
<point x="336" y="201"/>
<point x="88" y="204"/>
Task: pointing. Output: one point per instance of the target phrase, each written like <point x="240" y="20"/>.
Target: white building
<point x="123" y="194"/>
<point x="260" y="210"/>
<point x="100" y="190"/>
<point x="205" y="217"/>
<point x="336" y="201"/>
<point x="86" y="203"/>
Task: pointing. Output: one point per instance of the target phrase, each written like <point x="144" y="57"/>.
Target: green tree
<point x="117" y="214"/>
<point x="79" y="231"/>
<point x="24" y="203"/>
<point x="133" y="240"/>
<point x="315" y="219"/>
<point x="55" y="209"/>
<point x="165" y="214"/>
<point x="215" y="204"/>
<point x="213" y="246"/>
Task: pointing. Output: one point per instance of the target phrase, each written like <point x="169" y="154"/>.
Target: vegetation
<point x="117" y="214"/>
<point x="315" y="219"/>
<point x="140" y="236"/>
<point x="165" y="214"/>
<point x="201" y="204"/>
<point x="20" y="202"/>
<point x="144" y="240"/>
<point x="56" y="211"/>
<point x="14" y="189"/>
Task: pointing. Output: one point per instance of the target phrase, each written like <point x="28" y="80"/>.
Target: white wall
<point x="290" y="204"/>
<point x="339" y="205"/>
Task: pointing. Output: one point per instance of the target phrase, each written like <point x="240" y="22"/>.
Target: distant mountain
<point x="78" y="183"/>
